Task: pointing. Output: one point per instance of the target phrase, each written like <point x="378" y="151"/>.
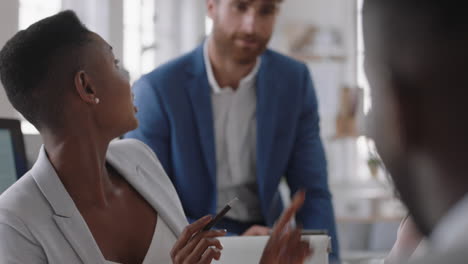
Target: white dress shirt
<point x="452" y="229"/>
<point x="235" y="142"/>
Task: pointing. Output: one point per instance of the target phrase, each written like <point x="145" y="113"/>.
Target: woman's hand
<point x="285" y="245"/>
<point x="197" y="246"/>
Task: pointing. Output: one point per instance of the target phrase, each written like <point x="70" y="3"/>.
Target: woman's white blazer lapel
<point x="66" y="215"/>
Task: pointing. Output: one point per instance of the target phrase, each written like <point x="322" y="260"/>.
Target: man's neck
<point x="226" y="71"/>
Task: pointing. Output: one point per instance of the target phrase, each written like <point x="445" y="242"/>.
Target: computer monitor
<point x="13" y="162"/>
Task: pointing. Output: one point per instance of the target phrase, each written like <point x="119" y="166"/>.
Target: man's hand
<point x="285" y="245"/>
<point x="257" y="230"/>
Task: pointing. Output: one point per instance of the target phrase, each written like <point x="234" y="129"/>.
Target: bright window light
<point x="362" y="79"/>
<point x="139" y="37"/>
<point x="208" y="25"/>
<point x="31" y="11"/>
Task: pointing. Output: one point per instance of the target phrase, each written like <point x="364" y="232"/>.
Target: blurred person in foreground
<point x="417" y="63"/>
<point x="87" y="199"/>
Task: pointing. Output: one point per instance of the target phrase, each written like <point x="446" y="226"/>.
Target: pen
<point x="220" y="215"/>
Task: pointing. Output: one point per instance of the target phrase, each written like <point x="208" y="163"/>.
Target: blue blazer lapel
<point x="267" y="108"/>
<point x="200" y="97"/>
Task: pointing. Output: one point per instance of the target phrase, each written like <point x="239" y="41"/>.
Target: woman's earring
<point x="96" y="100"/>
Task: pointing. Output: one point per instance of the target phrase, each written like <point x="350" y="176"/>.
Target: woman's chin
<point x="132" y="125"/>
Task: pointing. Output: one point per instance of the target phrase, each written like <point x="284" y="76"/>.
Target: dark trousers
<point x="235" y="227"/>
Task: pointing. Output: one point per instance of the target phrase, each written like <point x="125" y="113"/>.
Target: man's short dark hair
<point x="37" y="65"/>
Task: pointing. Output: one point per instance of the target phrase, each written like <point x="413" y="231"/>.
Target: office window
<point x="208" y="25"/>
<point x="362" y="79"/>
<point x="31" y="11"/>
<point x="139" y="37"/>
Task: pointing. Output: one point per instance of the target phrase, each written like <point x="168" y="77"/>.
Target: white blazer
<point x="39" y="222"/>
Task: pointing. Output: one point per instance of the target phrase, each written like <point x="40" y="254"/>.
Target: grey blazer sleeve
<point x="16" y="246"/>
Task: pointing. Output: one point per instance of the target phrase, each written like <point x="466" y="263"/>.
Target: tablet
<point x="248" y="249"/>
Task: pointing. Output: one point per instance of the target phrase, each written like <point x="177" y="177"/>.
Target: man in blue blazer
<point x="232" y="118"/>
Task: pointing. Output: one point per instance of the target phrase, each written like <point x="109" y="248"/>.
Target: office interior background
<point x="325" y="34"/>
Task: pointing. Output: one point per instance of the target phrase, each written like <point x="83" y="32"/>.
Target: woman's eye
<point x="117" y="62"/>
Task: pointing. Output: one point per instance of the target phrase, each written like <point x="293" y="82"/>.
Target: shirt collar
<point x="246" y="81"/>
<point x="451" y="229"/>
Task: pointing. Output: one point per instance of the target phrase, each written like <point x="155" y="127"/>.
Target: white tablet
<point x="248" y="250"/>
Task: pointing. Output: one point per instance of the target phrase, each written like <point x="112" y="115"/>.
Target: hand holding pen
<point x="220" y="215"/>
<point x="197" y="246"/>
<point x="198" y="243"/>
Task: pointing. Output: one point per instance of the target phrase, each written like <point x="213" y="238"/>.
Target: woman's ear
<point x="84" y="88"/>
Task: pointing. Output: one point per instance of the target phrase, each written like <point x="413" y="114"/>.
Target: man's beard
<point x="243" y="55"/>
<point x="246" y="55"/>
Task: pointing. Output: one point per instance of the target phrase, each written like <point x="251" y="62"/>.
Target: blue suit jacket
<point x="176" y="121"/>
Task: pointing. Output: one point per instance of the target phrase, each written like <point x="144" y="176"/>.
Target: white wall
<point x="9" y="13"/>
<point x="329" y="75"/>
<point x="335" y="14"/>
<point x="104" y="17"/>
<point x="180" y="26"/>
<point x="193" y="23"/>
